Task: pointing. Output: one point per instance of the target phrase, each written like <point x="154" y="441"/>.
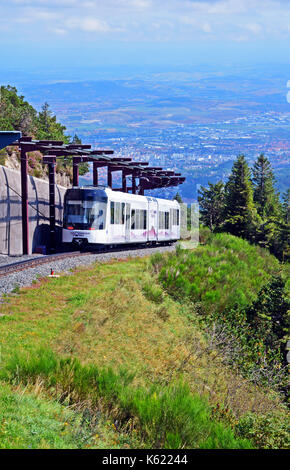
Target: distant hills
<point x="194" y="123"/>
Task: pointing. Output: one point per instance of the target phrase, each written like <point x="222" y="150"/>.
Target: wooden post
<point x="141" y="188"/>
<point x="75" y="171"/>
<point x="109" y="177"/>
<point x="24" y="202"/>
<point x="95" y="174"/>
<point x="133" y="185"/>
<point x="124" y="182"/>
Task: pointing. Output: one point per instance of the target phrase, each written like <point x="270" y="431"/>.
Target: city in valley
<point x="197" y="123"/>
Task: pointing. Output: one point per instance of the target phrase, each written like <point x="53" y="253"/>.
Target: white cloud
<point x="93" y="25"/>
<point x="206" y="27"/>
<point x="188" y="19"/>
<point x="59" y="31"/>
<point x="254" y="28"/>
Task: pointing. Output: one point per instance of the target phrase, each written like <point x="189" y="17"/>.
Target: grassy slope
<point x="108" y="316"/>
<point x="228" y="271"/>
<point x="31" y="419"/>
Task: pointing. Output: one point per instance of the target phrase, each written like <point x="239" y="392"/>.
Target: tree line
<point x="17" y="114"/>
<point x="249" y="206"/>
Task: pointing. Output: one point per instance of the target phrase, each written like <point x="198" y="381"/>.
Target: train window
<point x="133" y="219"/>
<point x="123" y="212"/>
<point x="117" y="219"/>
<point x="145" y="220"/>
<point x="166" y="226"/>
<point x="85" y="209"/>
<point x="117" y="213"/>
<point x="138" y="219"/>
<point x="175" y="216"/>
<point x="112" y="212"/>
<point x="163" y="220"/>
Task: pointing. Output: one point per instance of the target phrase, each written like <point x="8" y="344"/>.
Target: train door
<point x="152" y="219"/>
<point x="127" y="222"/>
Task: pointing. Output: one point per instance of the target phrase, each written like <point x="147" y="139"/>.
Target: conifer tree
<point x="282" y="248"/>
<point x="269" y="314"/>
<point x="76" y="140"/>
<point x="265" y="197"/>
<point x="48" y="127"/>
<point x="286" y="207"/>
<point x="241" y="217"/>
<point x="178" y="198"/>
<point x="84" y="167"/>
<point x="211" y="204"/>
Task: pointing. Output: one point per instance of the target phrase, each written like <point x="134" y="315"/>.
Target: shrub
<point x="266" y="431"/>
<point x="153" y="293"/>
<point x="165" y="416"/>
<point x="226" y="272"/>
<point x="236" y="285"/>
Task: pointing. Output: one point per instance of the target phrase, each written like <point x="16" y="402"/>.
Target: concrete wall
<point x="38" y="203"/>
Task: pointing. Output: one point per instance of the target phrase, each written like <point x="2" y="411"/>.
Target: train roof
<point x="128" y="196"/>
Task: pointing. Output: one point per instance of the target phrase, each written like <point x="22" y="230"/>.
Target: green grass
<point x="222" y="279"/>
<point x="30" y="420"/>
<point x="116" y="320"/>
<point x="225" y="273"/>
<point x="168" y="417"/>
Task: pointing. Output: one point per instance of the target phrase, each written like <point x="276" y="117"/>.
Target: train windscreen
<point x="85" y="209"/>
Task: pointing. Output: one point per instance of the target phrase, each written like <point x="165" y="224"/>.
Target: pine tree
<point x="84" y="167"/>
<point x="211" y="204"/>
<point x="282" y="248"/>
<point x="76" y="140"/>
<point x="178" y="198"/>
<point x="49" y="128"/>
<point x="265" y="197"/>
<point x="286" y="207"/>
<point x="269" y="314"/>
<point x="241" y="217"/>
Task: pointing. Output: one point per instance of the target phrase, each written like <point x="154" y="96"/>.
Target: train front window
<point x="85" y="215"/>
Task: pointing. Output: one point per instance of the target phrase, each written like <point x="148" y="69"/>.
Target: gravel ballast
<point x="25" y="278"/>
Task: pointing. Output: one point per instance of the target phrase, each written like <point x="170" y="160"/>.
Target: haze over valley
<point x="196" y="122"/>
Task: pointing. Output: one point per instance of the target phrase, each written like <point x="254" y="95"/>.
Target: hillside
<point x="112" y="356"/>
<point x="18" y="114"/>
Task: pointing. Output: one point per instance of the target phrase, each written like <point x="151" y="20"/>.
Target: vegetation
<point x="241" y="290"/>
<point x="249" y="206"/>
<point x="110" y="343"/>
<point x="166" y="417"/>
<point x="18" y="114"/>
<point x="31" y="419"/>
<point x="182" y="350"/>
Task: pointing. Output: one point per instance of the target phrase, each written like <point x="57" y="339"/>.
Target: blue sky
<point x="114" y="32"/>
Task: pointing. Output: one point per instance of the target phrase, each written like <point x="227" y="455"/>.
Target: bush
<point x="238" y="286"/>
<point x="153" y="293"/>
<point x="169" y="417"/>
<point x="225" y="273"/>
<point x="268" y="431"/>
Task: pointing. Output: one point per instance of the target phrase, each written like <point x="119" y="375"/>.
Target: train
<point x="99" y="216"/>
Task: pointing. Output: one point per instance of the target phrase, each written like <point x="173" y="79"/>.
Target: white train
<point x="100" y="216"/>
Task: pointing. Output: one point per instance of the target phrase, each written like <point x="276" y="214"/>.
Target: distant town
<point x="195" y="126"/>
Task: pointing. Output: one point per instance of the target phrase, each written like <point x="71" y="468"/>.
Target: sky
<point x="152" y="33"/>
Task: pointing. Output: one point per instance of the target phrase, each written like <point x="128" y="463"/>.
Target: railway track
<point x="7" y="269"/>
<point x="18" y="266"/>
